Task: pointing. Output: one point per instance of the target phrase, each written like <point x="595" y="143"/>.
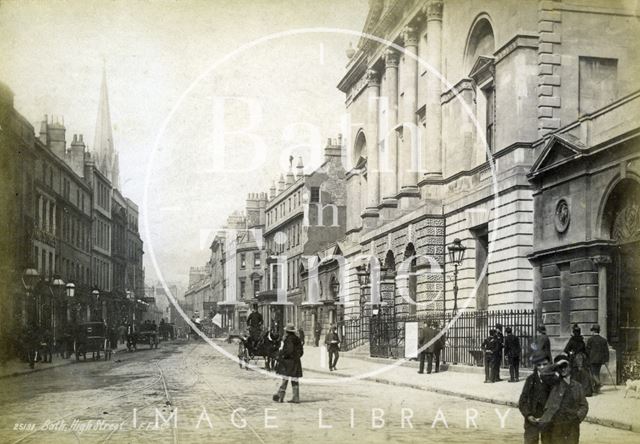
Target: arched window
<point x="480" y="42"/>
<point x="479" y="63"/>
<point x="412" y="284"/>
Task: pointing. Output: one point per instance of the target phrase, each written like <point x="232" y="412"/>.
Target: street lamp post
<point x="363" y="280"/>
<point x="57" y="289"/>
<point x="95" y="294"/>
<point x="29" y="279"/>
<point x="70" y="290"/>
<point x="456" y="253"/>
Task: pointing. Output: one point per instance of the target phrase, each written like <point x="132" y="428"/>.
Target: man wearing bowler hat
<point x="597" y="354"/>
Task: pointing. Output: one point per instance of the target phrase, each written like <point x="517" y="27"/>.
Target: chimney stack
<point x="56" y="138"/>
<point x="299" y="168"/>
<point x="76" y="155"/>
<point x="333" y="148"/>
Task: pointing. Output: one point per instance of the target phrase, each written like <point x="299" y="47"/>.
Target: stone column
<point x="432" y="158"/>
<point x="602" y="262"/>
<point x="407" y="164"/>
<point x="389" y="165"/>
<point x="370" y="213"/>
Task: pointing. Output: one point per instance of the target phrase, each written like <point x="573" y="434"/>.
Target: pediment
<point x="558" y="150"/>
<point x="482" y="69"/>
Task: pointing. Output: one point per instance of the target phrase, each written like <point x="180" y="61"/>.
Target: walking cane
<point x="611" y="376"/>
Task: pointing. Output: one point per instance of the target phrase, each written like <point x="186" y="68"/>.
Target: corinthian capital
<point x="373" y="78"/>
<point x="391" y="58"/>
<point x="434" y="10"/>
<point x="410" y="36"/>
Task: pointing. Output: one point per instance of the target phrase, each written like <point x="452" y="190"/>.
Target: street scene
<point x="362" y="220"/>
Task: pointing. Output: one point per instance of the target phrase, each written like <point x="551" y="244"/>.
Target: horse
<point x="265" y="346"/>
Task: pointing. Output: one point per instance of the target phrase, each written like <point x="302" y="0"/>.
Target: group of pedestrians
<point x="430" y="343"/>
<point x="553" y="400"/>
<point x="493" y="347"/>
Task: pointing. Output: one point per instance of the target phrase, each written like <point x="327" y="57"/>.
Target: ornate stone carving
<point x="410" y="36"/>
<point x="601" y="260"/>
<point x="562" y="216"/>
<point x="391" y="58"/>
<point x="626" y="226"/>
<point x="434" y="10"/>
<point x="373" y="79"/>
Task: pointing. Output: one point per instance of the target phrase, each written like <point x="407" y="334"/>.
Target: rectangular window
<point x="597" y="83"/>
<point x="490" y="116"/>
<point x="256" y="260"/>
<point x="482" y="248"/>
<point x="243" y="260"/>
<point x="242" y="289"/>
<point x="315" y="195"/>
<point x="256" y="287"/>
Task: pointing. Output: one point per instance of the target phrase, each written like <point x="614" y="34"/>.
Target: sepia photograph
<point x="336" y="221"/>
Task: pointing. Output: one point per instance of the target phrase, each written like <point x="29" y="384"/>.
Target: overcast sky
<point x="165" y="63"/>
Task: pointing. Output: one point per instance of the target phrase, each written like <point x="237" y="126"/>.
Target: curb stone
<point x="590" y="419"/>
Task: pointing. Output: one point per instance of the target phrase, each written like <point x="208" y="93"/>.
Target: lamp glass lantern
<point x="363" y="276"/>
<point x="71" y="290"/>
<point x="58" y="286"/>
<point x="335" y="288"/>
<point x="29" y="278"/>
<point x="456" y="252"/>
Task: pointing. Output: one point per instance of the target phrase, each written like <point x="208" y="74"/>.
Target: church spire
<point x="105" y="154"/>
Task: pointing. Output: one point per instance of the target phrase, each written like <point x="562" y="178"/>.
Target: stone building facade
<point x="454" y="98"/>
<point x="62" y="224"/>
<point x="305" y="213"/>
<point x="586" y="254"/>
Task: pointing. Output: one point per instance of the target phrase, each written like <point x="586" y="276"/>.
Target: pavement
<point x="609" y="409"/>
<point x="16" y="367"/>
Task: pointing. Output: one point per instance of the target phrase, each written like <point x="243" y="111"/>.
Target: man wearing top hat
<point x="497" y="354"/>
<point x="597" y="354"/>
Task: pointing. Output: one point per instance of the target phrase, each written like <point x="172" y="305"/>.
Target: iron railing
<point x="464" y="333"/>
<point x="354" y="333"/>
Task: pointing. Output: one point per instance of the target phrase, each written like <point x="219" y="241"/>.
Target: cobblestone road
<point x="139" y="397"/>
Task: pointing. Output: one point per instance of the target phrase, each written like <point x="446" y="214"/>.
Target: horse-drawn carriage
<point x="259" y="345"/>
<point x="91" y="337"/>
<point x="148" y="334"/>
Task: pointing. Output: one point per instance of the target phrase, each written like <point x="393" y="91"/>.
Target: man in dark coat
<point x="576" y="349"/>
<point x="533" y="399"/>
<point x="426" y="335"/>
<point x="289" y="364"/>
<point x="566" y="407"/>
<point x="512" y="353"/>
<point x="254" y="323"/>
<point x="332" y="341"/>
<point x="437" y="347"/>
<point x="597" y="354"/>
<point x="543" y="343"/>
<point x="316" y="333"/>
<point x="496" y="358"/>
<point x="488" y="345"/>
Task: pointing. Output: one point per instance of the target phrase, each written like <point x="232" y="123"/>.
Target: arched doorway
<point x="621" y="222"/>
